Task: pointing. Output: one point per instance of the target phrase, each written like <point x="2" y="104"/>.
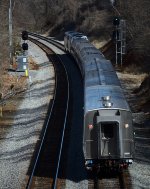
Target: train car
<point x="69" y="36"/>
<point x="108" y="131"/>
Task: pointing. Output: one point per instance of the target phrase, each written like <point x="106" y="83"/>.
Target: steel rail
<point x="63" y="133"/>
<point x="45" y="130"/>
<point x="119" y="180"/>
<point x="42" y="141"/>
<point x="52" y="41"/>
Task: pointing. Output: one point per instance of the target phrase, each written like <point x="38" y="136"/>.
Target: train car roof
<point x="95" y="94"/>
<point x="73" y="33"/>
<point x="80" y="36"/>
<point x="100" y="78"/>
<point x="100" y="74"/>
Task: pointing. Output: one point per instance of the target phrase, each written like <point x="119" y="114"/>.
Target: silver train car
<point x="108" y="132"/>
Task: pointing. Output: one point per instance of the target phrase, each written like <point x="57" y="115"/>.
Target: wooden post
<point x="1" y="111"/>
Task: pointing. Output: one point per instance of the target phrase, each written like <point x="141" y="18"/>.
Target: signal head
<point x="116" y="21"/>
<point x="24" y="35"/>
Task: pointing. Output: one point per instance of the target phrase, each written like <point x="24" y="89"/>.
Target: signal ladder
<point x="120" y="41"/>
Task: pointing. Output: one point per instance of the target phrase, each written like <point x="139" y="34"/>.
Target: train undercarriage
<point x="108" y="164"/>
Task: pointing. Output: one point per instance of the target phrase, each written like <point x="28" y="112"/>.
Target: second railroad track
<point x="46" y="161"/>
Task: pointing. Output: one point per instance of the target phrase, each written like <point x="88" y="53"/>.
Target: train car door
<point x="108" y="139"/>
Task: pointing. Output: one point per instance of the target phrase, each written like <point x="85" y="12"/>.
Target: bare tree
<point x="137" y="14"/>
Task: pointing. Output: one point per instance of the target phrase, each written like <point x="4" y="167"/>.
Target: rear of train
<point x="108" y="138"/>
<point x="108" y="130"/>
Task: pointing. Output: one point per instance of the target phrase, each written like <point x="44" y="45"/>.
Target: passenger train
<point x="108" y="132"/>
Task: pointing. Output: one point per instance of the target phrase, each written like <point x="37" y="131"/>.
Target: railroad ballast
<point x="108" y="131"/>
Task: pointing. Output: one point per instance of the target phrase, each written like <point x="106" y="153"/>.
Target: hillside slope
<point x="92" y="17"/>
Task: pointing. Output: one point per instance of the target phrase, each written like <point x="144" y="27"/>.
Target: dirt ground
<point x="15" y="82"/>
<point x="131" y="83"/>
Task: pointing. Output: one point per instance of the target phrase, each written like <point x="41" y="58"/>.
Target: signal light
<point x="126" y="125"/>
<point x="24" y="35"/>
<point x="116" y="21"/>
<point x="25" y="46"/>
<point x="90" y="126"/>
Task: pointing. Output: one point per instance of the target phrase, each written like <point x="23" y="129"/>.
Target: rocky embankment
<point x="140" y="169"/>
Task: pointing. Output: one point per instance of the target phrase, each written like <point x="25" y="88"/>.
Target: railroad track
<point x="45" y="166"/>
<point x="50" y="40"/>
<point x="111" y="180"/>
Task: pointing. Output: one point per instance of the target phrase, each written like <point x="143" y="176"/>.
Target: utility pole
<point x="10" y="33"/>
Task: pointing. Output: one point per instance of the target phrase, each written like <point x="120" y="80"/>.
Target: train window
<point x="107" y="130"/>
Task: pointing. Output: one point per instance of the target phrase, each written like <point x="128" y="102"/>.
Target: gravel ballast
<point x="140" y="169"/>
<point x="22" y="121"/>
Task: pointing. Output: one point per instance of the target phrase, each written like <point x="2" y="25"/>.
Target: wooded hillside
<point x="93" y="17"/>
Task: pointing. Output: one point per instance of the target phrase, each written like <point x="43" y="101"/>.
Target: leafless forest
<point x="93" y="17"/>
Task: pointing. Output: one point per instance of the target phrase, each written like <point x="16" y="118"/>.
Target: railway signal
<point x="119" y="35"/>
<point x="24" y="35"/>
<point x="22" y="60"/>
<point x="116" y="21"/>
<point x="25" y="46"/>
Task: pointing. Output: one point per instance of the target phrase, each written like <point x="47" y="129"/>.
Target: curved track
<point x="46" y="162"/>
<point x="50" y="40"/>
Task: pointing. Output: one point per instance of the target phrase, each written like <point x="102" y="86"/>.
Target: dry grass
<point x="133" y="68"/>
<point x="99" y="44"/>
<point x="32" y="64"/>
<point x="135" y="78"/>
<point x="11" y="82"/>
